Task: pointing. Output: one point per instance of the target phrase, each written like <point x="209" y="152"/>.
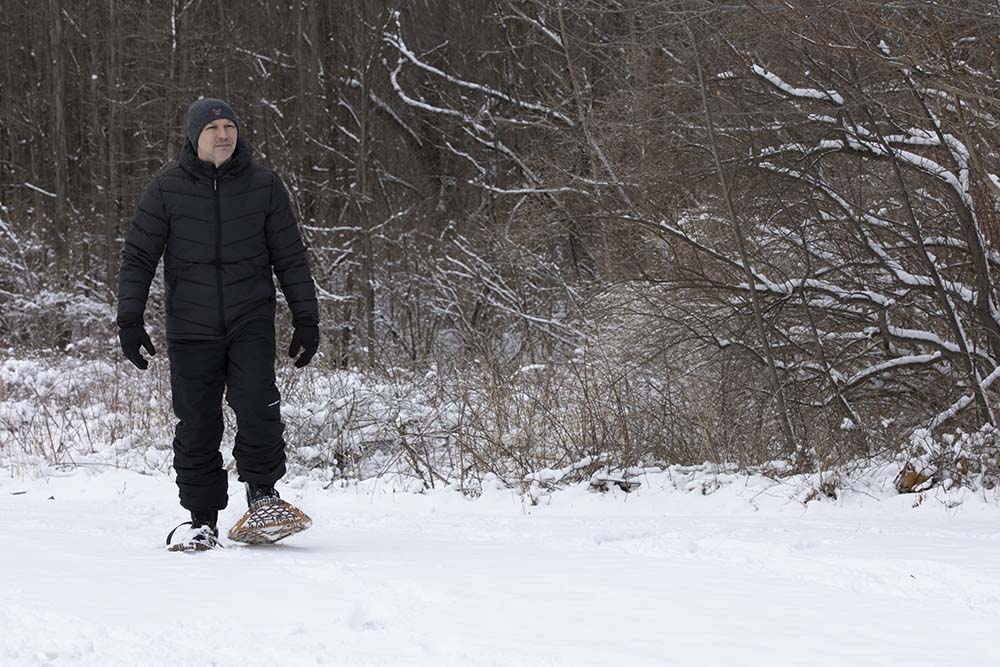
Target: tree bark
<point x="61" y="224"/>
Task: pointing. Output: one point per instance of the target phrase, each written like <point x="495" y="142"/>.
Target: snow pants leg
<point x="200" y="371"/>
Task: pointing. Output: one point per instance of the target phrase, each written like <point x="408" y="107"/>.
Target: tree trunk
<point x="113" y="195"/>
<point x="61" y="225"/>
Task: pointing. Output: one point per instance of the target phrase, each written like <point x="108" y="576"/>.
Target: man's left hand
<point x="304" y="338"/>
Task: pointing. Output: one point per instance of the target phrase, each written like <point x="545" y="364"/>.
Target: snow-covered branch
<point x="793" y="91"/>
<point x="396" y="40"/>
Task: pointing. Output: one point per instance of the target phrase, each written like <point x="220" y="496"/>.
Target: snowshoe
<point x="199" y="537"/>
<point x="268" y="518"/>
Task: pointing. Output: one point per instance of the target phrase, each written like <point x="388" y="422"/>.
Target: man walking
<point x="225" y="224"/>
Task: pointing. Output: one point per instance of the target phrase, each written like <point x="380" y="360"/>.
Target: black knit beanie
<point x="204" y="111"/>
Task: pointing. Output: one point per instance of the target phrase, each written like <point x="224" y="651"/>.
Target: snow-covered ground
<point x="662" y="576"/>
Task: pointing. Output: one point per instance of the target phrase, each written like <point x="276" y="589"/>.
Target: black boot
<point x="258" y="492"/>
<point x="199" y="518"/>
<point x="202" y="536"/>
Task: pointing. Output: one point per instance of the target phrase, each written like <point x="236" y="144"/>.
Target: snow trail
<point x="660" y="577"/>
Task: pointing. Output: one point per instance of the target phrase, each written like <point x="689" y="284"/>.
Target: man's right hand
<point x="132" y="338"/>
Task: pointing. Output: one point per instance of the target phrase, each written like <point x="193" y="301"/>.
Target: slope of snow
<point x="743" y="576"/>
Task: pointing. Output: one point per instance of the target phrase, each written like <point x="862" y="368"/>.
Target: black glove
<point x="307" y="339"/>
<point x="132" y="338"/>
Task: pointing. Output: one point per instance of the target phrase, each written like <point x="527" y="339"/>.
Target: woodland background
<point x="614" y="232"/>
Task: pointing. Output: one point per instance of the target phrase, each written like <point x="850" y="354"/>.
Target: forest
<point x="547" y="234"/>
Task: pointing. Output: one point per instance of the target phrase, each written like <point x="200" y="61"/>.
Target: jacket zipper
<point x="218" y="249"/>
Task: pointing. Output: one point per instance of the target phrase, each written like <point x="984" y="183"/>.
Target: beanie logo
<point x="216" y="111"/>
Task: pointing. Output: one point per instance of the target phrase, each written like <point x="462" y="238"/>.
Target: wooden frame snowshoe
<point x="190" y="546"/>
<point x="269" y="520"/>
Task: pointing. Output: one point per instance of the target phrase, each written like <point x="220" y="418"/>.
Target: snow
<point x="793" y="91"/>
<point x="697" y="565"/>
<point x="895" y="362"/>
<point x="692" y="568"/>
<point x="964" y="400"/>
<point x="396" y="40"/>
<point x="39" y="190"/>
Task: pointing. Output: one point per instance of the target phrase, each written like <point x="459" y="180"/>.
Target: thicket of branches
<point x="774" y="225"/>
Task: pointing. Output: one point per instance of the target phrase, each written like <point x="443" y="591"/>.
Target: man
<point x="225" y="224"/>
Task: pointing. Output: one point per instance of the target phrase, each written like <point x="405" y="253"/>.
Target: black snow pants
<point x="243" y="365"/>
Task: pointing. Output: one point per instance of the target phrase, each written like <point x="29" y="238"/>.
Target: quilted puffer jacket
<point x="221" y="232"/>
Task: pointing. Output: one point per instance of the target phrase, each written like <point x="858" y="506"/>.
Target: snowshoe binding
<point x="202" y="535"/>
<point x="268" y="518"/>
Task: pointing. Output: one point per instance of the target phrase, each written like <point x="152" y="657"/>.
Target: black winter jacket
<point x="223" y="231"/>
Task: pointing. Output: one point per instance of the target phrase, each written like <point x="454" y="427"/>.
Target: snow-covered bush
<point x="57" y="319"/>
<point x="950" y="459"/>
<point x="437" y="426"/>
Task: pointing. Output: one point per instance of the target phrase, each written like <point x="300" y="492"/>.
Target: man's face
<point x="217" y="141"/>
